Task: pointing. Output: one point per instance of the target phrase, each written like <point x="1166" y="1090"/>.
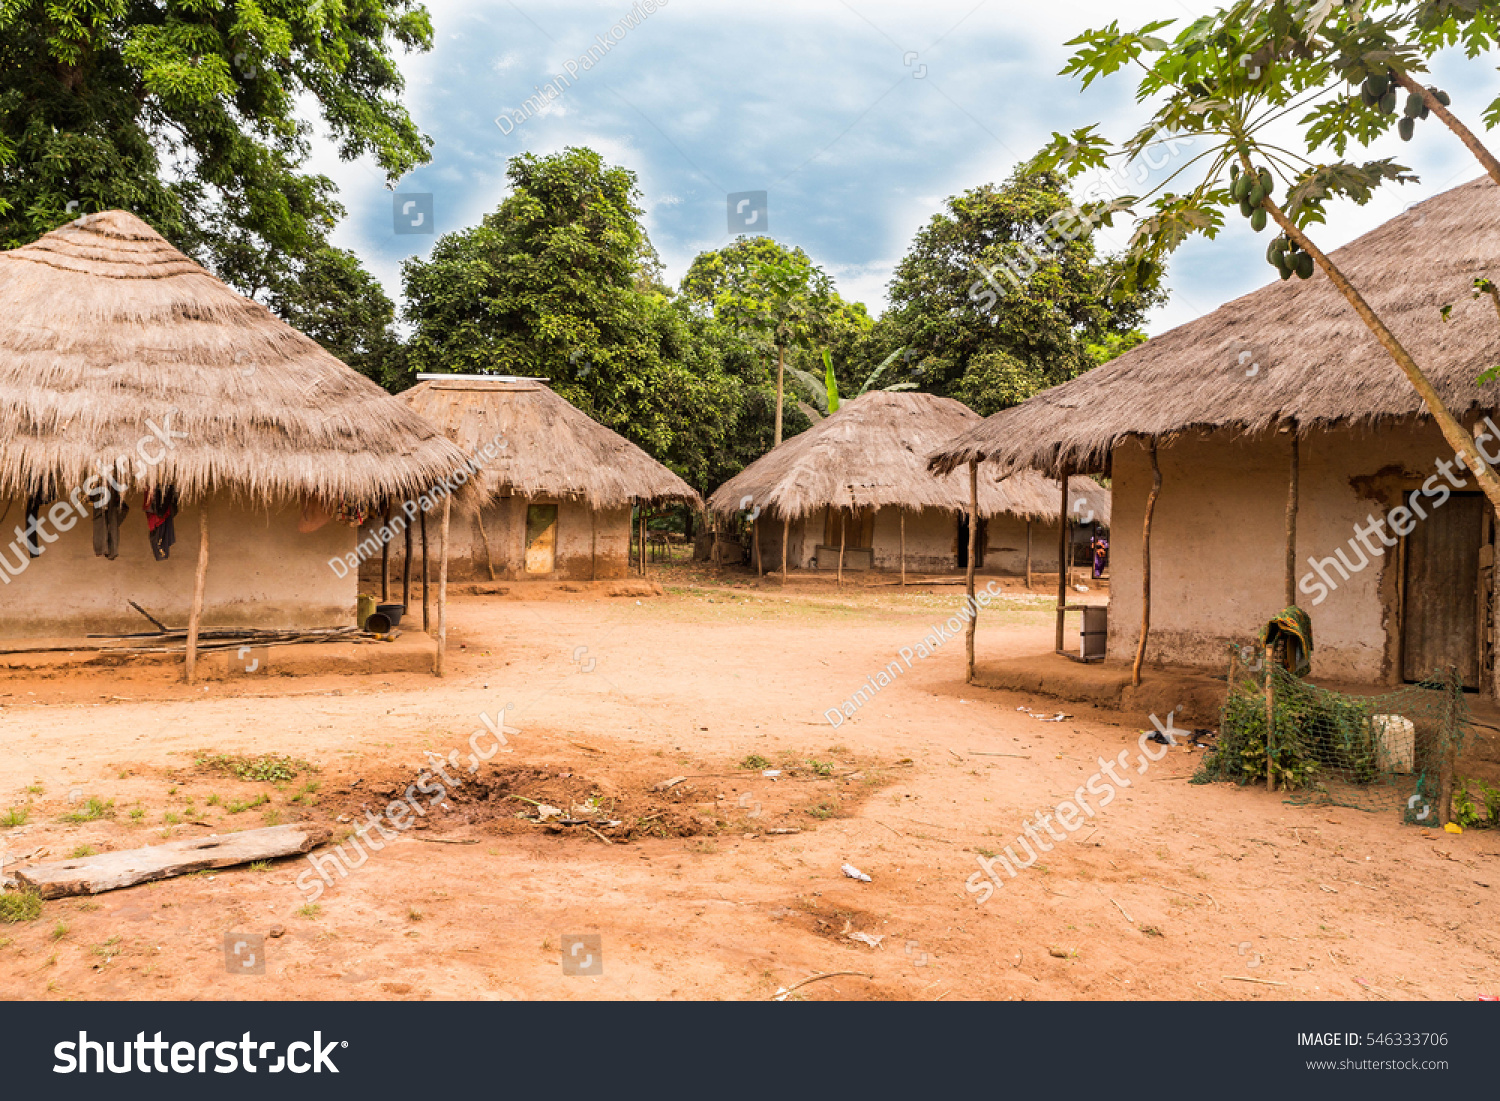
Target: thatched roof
<point x="1318" y="365"/>
<point x="107" y="330"/>
<point x="873" y="453"/>
<point x="552" y="449"/>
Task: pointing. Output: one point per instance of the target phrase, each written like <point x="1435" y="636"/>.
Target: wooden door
<point x="541" y="538"/>
<point x="1440" y="613"/>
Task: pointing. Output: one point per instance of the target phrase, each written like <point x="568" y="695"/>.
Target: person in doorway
<point x="1100" y="546"/>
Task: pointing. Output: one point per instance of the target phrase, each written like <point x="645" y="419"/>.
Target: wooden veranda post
<point x="442" y="639"/>
<point x="406" y="571"/>
<point x="902" y="513"/>
<point x="786" y="529"/>
<point x="593" y="544"/>
<point x="1291" y="525"/>
<point x="843" y="526"/>
<point x="484" y="537"/>
<point x="195" y="616"/>
<point x="1062" y="557"/>
<point x="385" y="558"/>
<point x="1140" y="649"/>
<point x="1028" y="555"/>
<point x="426" y="604"/>
<point x="1270" y="657"/>
<point x="760" y="568"/>
<point x="969" y="573"/>
<point x="643" y="542"/>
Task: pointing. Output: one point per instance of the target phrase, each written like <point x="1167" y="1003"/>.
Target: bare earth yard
<point x="1174" y="890"/>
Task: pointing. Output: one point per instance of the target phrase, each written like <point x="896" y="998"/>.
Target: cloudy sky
<point x="856" y="118"/>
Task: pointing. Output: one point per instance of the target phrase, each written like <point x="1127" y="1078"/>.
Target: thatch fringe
<point x="114" y="344"/>
<point x="1291" y="354"/>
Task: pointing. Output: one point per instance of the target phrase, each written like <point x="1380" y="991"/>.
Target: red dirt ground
<point x="1179" y="891"/>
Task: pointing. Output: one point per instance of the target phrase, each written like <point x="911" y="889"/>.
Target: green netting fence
<point x="1394" y="751"/>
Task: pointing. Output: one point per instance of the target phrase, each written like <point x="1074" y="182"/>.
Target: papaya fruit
<point x="1407" y="127"/>
<point x="1257" y="195"/>
<point x="1367" y="97"/>
<point x="1258" y="219"/>
<point x="1414" y="105"/>
<point x="1388" y="103"/>
<point x="1443" y="97"/>
<point x="1379" y="83"/>
<point x="1268" y="185"/>
<point x="1286" y="273"/>
<point x="1304" y="265"/>
<point x="1245" y="208"/>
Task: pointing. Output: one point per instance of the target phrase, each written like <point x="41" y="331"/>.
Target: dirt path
<point x="1162" y="894"/>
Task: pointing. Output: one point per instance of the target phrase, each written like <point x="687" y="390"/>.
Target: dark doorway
<point x="1440" y="611"/>
<point x="963" y="543"/>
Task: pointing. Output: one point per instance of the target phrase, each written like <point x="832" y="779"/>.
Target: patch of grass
<point x="413" y="914"/>
<point x="756" y="762"/>
<point x="822" y="768"/>
<point x="34" y="789"/>
<point x="107" y="949"/>
<point x="260" y="866"/>
<point x="1152" y="931"/>
<point x="839" y="750"/>
<point x="238" y="806"/>
<point x="137" y="813"/>
<point x="60" y="930"/>
<point x="268" y="768"/>
<point x="23" y="905"/>
<point x="825" y="809"/>
<point x="311" y="910"/>
<point x="16" y="816"/>
<point x="83" y="851"/>
<point x="213" y="799"/>
<point x="272" y="817"/>
<point x="92" y="811"/>
<point x="171" y="818"/>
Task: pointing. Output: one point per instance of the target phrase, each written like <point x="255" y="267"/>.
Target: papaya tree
<point x="1226" y="80"/>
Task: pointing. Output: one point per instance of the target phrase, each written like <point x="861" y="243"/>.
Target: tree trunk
<point x="1457" y="436"/>
<point x="1140" y="649"/>
<point x="780" y="378"/>
<point x="1465" y="135"/>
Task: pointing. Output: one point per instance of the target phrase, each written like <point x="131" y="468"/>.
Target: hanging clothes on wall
<point x="107" y="520"/>
<point x="161" y="507"/>
<point x="34" y="505"/>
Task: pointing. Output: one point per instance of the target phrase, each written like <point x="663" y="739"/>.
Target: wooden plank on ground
<point x="111" y="871"/>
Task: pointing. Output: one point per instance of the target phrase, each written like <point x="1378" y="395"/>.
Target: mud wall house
<point x="1283" y="431"/>
<point x="127" y="370"/>
<point x="860" y="476"/>
<point x="555" y="500"/>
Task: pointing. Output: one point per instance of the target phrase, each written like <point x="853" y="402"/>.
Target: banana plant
<point x="824" y="393"/>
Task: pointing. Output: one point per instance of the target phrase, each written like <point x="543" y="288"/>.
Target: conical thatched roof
<point x="1291" y="353"/>
<point x="873" y="453"/>
<point x="552" y="449"/>
<point x="106" y="330"/>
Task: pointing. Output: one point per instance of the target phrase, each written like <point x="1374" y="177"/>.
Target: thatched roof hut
<point x="873" y="453"/>
<point x="555" y="502"/>
<point x="107" y="327"/>
<point x="552" y="449"/>
<point x="1289" y="354"/>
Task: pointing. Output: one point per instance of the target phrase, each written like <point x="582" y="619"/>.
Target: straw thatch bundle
<point x="109" y="334"/>
<point x="1290" y="354"/>
<point x="552" y="448"/>
<point x="873" y="453"/>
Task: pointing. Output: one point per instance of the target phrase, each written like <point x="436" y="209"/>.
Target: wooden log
<point x="195" y="617"/>
<point x="111" y="871"/>
<point x="406" y="570"/>
<point x="385" y="558"/>
<point x="973" y="558"/>
<point x="1140" y="649"/>
<point x="1062" y="557"/>
<point x="1291" y="526"/>
<point x="442" y="639"/>
<point x="426" y="603"/>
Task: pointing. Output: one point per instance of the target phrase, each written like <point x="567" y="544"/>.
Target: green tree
<point x="333" y="299"/>
<point x="993" y="305"/>
<point x="190" y="115"/>
<point x="1225" y="80"/>
<point x="559" y="283"/>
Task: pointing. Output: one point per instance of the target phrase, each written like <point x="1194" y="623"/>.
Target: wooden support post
<point x="1028" y="555"/>
<point x="903" y="546"/>
<point x="442" y="639"/>
<point x="1140" y="649"/>
<point x="406" y="571"/>
<point x="385" y="559"/>
<point x="973" y="558"/>
<point x="1270" y="657"/>
<point x="489" y="556"/>
<point x="1062" y="555"/>
<point x="1454" y="687"/>
<point x="195" y="616"/>
<point x="1291" y="526"/>
<point x="843" y="527"/>
<point x="760" y="568"/>
<point x="593" y="544"/>
<point x="786" y="531"/>
<point x="643" y="542"/>
<point x="426" y="604"/>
